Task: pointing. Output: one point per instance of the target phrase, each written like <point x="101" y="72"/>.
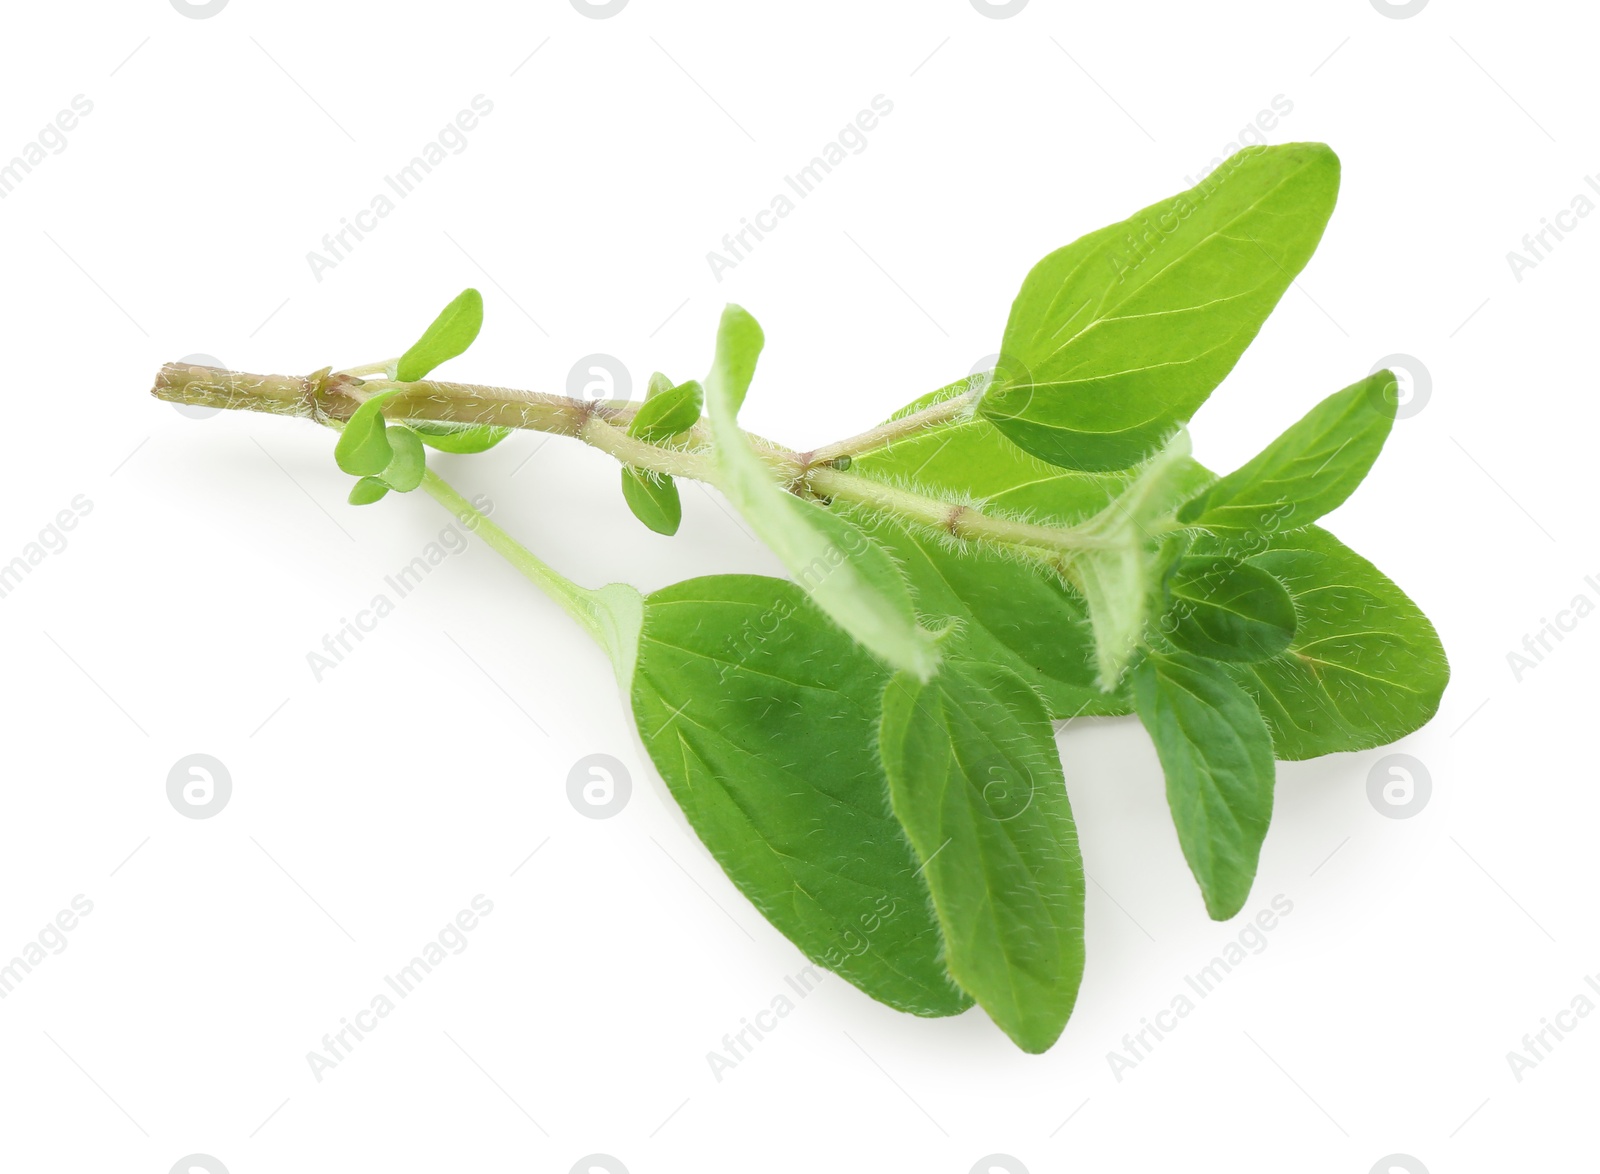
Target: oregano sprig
<point x="867" y="750"/>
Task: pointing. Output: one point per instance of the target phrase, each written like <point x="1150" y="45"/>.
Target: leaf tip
<point x="1383" y="392"/>
<point x="736" y="319"/>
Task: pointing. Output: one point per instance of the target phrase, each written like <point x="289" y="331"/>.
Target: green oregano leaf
<point x="405" y="467"/>
<point x="460" y="438"/>
<point x="1007" y="612"/>
<point x="976" y="783"/>
<point x="1116" y="339"/>
<point x="762" y="717"/>
<point x="451" y="333"/>
<point x="367" y="490"/>
<point x="1307" y="471"/>
<point x="667" y="413"/>
<point x="849" y="576"/>
<point x="892" y="800"/>
<point x="969" y="461"/>
<point x="1217" y="757"/>
<point x="1365" y="666"/>
<point x="363" y="448"/>
<point x="1227" y="610"/>
<point x="653" y="498"/>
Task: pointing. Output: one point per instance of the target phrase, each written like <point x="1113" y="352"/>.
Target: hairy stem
<point x="332" y="397"/>
<point x="958" y="521"/>
<point x="576" y="601"/>
<point x="885" y="434"/>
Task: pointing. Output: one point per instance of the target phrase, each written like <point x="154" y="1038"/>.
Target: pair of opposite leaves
<point x="385" y="456"/>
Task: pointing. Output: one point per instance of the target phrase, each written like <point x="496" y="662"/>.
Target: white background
<point x="369" y="808"/>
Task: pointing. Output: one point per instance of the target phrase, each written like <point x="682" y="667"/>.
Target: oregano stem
<point x="334" y="397"/>
<point x="885" y="434"/>
<point x="576" y="601"/>
<point x="958" y="521"/>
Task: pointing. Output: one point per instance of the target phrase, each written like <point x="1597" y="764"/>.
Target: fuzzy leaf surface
<point x="1116" y="339"/>
<point x="1227" y="610"/>
<point x="977" y="784"/>
<point x="762" y="717"/>
<point x="460" y="438"/>
<point x="1008" y="613"/>
<point x="363" y="448"/>
<point x="849" y="576"/>
<point x="447" y="336"/>
<point x="654" y="500"/>
<point x="1217" y="757"/>
<point x="1307" y="471"/>
<point x="1365" y="666"/>
<point x="407" y="460"/>
<point x="666" y="413"/>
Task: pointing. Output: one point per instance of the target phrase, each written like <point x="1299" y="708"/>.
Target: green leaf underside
<point x="363" y="448"/>
<point x="1008" y="613"/>
<point x="972" y="460"/>
<point x="1228" y="610"/>
<point x="461" y="438"/>
<point x="977" y="784"/>
<point x="404" y="470"/>
<point x="1116" y="339"/>
<point x="451" y="333"/>
<point x="654" y="500"/>
<point x="1122" y="581"/>
<point x="1365" y="666"/>
<point x="367" y="490"/>
<point x="1306" y="472"/>
<point x="666" y="413"/>
<point x="1216" y="754"/>
<point x="762" y="716"/>
<point x="1021" y="603"/>
<point x="848" y="576"/>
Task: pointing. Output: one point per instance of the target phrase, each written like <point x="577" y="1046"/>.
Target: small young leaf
<point x="363" y="449"/>
<point x="762" y="718"/>
<point x="367" y="490"/>
<point x="653" y="498"/>
<point x="1228" y="610"/>
<point x="976" y="782"/>
<point x="405" y="467"/>
<point x="846" y="573"/>
<point x="657" y="385"/>
<point x="450" y="334"/>
<point x="666" y="413"/>
<point x="1217" y="756"/>
<point x="1365" y="667"/>
<point x="1307" y="471"/>
<point x="1116" y="339"/>
<point x="461" y="438"/>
